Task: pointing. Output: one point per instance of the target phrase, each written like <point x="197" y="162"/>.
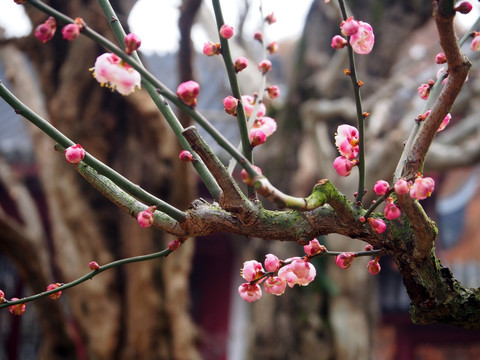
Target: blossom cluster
<point x="360" y="34"/>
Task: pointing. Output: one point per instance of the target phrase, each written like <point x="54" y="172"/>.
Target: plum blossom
<point x="424" y="91"/>
<point x="266" y="124"/>
<point x="272" y="48"/>
<point x="210" y="48"/>
<point x="264" y="66"/>
<point x="349" y="27"/>
<point x="45" y="31"/>
<point x="257" y="137"/>
<point x="272" y="263"/>
<point x="93" y="265"/>
<point x="464" y="7"/>
<point x="440" y="58"/>
<point x="378" y="225"/>
<point x="188" y="92"/>
<point x="55" y="295"/>
<point x="274" y="285"/>
<point x="18" y="309"/>
<point x="2" y="296"/>
<point x="346" y="140"/>
<point x="250" y="293"/>
<point x="363" y="40"/>
<point x="70" y="32"/>
<point x="132" y="43"/>
<point x="373" y="266"/>
<point x="113" y="72"/>
<point x="74" y="154"/>
<point x="240" y="63"/>
<point x="246" y="178"/>
<point x="145" y="217"/>
<point x="298" y="272"/>
<point x="185" y="156"/>
<point x="249" y="104"/>
<point x="270" y="18"/>
<point x="338" y="42"/>
<point x="475" y="44"/>
<point x="345" y="259"/>
<point x="314" y="247"/>
<point x="226" y="31"/>
<point x="273" y="92"/>
<point x="252" y="270"/>
<point x="391" y="211"/>
<point x="343" y="166"/>
<point x="381" y="187"/>
<point x="402" y="187"/>
<point x="422" y="188"/>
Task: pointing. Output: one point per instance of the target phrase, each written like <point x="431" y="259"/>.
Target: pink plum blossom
<point x="230" y="105"/>
<point x="246" y="178"/>
<point x="226" y="31"/>
<point x="475" y="44"/>
<point x="373" y="266"/>
<point x="363" y="40"/>
<point x="257" y="137"/>
<point x="113" y="72"/>
<point x="265" y="66"/>
<point x="464" y="7"/>
<point x="266" y="124"/>
<point x="45" y="31"/>
<point x="185" y="156"/>
<point x="240" y="63"/>
<point x="422" y="188"/>
<point x="249" y="104"/>
<point x="424" y="91"/>
<point x="381" y="187"/>
<point x="55" y="295"/>
<point x="402" y="187"/>
<point x="445" y="122"/>
<point x="250" y="293"/>
<point x="174" y="245"/>
<point x="346" y="140"/>
<point x="273" y="92"/>
<point x="210" y="48"/>
<point x="338" y="42"/>
<point x="343" y="166"/>
<point x="74" y="154"/>
<point x="378" y="225"/>
<point x="274" y="285"/>
<point x="258" y="36"/>
<point x="391" y="211"/>
<point x="303" y="275"/>
<point x="252" y="270"/>
<point x="440" y="58"/>
<point x="272" y="48"/>
<point x="132" y="43"/>
<point x="145" y="217"/>
<point x="345" y="259"/>
<point x="70" y="32"/>
<point x="93" y="265"/>
<point x="270" y="18"/>
<point x="2" y="296"/>
<point x="188" y="92"/>
<point x="272" y="263"/>
<point x="349" y="27"/>
<point x="314" y="247"/>
<point x="18" y="309"/>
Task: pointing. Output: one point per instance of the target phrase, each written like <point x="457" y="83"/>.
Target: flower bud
<point x="273" y="91"/>
<point x="440" y="58"/>
<point x="270" y="19"/>
<point x="343" y="166"/>
<point x="464" y="7"/>
<point x="230" y="105"/>
<point x="345" y="259"/>
<point x="391" y="211"/>
<point x="188" y="92"/>
<point x="45" y="31"/>
<point x="56" y="295"/>
<point x="246" y="178"/>
<point x="265" y="66"/>
<point x="240" y="64"/>
<point x="378" y="225"/>
<point x="272" y="48"/>
<point x="257" y="137"/>
<point x="252" y="270"/>
<point x="314" y="247"/>
<point x="274" y="285"/>
<point x="18" y="309"/>
<point x="349" y="27"/>
<point x="373" y="266"/>
<point x="338" y="42"/>
<point x="145" y="217"/>
<point x="250" y="293"/>
<point x="402" y="187"/>
<point x="186" y="156"/>
<point x="381" y="187"/>
<point x="272" y="263"/>
<point x="132" y="43"/>
<point x="2" y="296"/>
<point x="475" y="44"/>
<point x="258" y="36"/>
<point x="174" y="245"/>
<point x="211" y="48"/>
<point x="93" y="265"/>
<point x="70" y="32"/>
<point x="226" y="31"/>
<point x="74" y="154"/>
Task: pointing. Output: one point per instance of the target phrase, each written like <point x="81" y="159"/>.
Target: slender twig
<point x="118" y="179"/>
<point x="88" y="276"/>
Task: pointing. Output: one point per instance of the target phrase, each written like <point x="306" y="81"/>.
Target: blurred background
<point x="52" y="223"/>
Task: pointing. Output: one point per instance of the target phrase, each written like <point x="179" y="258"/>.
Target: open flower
<point x="422" y="188"/>
<point x="346" y="140"/>
<point x="113" y="72"/>
<point x="362" y="41"/>
<point x="249" y="104"/>
<point x="298" y="272"/>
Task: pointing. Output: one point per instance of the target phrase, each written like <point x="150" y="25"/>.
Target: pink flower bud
<point x="246" y="178"/>
<point x="188" y="92"/>
<point x="45" y="31"/>
<point x="93" y="265"/>
<point x="345" y="259"/>
<point x="74" y="154"/>
<point x="378" y="225"/>
<point x="273" y="92"/>
<point x="343" y="166"/>
<point x="464" y="7"/>
<point x="265" y="66"/>
<point x="373" y="266"/>
<point x="314" y="247"/>
<point x="211" y="48"/>
<point x="422" y="188"/>
<point x="186" y="156"/>
<point x="440" y="58"/>
<point x="226" y="31"/>
<point x="240" y="64"/>
<point x="349" y="27"/>
<point x="274" y="285"/>
<point x="252" y="270"/>
<point x="424" y="91"/>
<point x="18" y="309"/>
<point x="70" y="32"/>
<point x="402" y="187"/>
<point x="55" y="295"/>
<point x="381" y="187"/>
<point x="174" y="245"/>
<point x="445" y="122"/>
<point x="257" y="137"/>
<point x="132" y="43"/>
<point x="272" y="263"/>
<point x="391" y="211"/>
<point x="338" y="42"/>
<point x="258" y="36"/>
<point x="2" y="296"/>
<point x="145" y="217"/>
<point x="270" y="19"/>
<point x="368" y="247"/>
<point x="272" y="48"/>
<point x="250" y="293"/>
<point x="363" y="40"/>
<point x="230" y="105"/>
<point x="475" y="44"/>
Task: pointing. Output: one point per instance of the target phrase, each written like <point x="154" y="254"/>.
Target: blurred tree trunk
<point x="139" y="311"/>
